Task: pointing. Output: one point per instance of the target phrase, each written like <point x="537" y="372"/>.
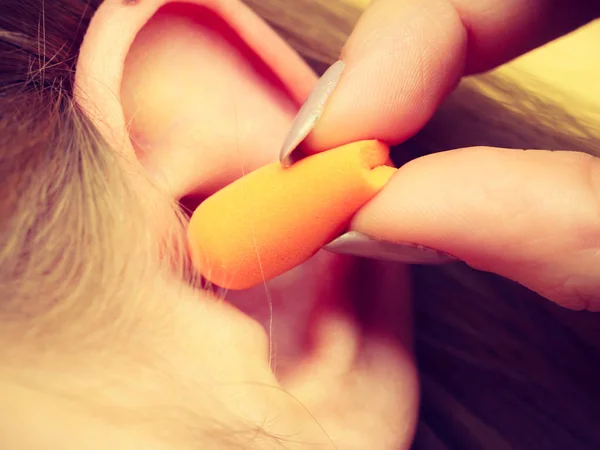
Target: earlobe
<point x="198" y="92"/>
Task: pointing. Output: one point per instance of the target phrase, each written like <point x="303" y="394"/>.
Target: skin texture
<point x="173" y="366"/>
<point x="401" y="61"/>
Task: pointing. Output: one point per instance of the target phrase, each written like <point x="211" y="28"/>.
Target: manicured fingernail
<point x="310" y="112"/>
<point x="358" y="244"/>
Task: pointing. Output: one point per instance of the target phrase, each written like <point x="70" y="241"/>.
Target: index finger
<point x="404" y="57"/>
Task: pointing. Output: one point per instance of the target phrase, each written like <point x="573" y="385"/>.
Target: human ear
<point x="198" y="92"/>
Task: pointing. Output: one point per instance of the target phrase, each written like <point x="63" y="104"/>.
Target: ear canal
<point x="200" y="92"/>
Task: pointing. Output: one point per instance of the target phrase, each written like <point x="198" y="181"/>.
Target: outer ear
<point x="199" y="91"/>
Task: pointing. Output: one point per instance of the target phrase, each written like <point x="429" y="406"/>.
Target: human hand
<point x="531" y="216"/>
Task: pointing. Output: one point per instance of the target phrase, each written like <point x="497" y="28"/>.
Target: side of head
<point x="97" y="299"/>
<point x="109" y="117"/>
<point x="111" y="113"/>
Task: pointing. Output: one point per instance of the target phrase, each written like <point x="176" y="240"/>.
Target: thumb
<point x="531" y="216"/>
<point x="405" y="56"/>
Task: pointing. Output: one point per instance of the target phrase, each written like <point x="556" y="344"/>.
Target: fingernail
<point x="359" y="244"/>
<point x="311" y="111"/>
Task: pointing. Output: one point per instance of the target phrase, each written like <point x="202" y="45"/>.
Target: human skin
<point x="328" y="358"/>
<point x="530" y="216"/>
<point x="176" y="367"/>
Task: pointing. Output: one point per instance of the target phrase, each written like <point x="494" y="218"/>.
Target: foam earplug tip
<point x="276" y="218"/>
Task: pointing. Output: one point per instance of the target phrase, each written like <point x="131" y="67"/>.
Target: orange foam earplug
<point x="275" y="218"/>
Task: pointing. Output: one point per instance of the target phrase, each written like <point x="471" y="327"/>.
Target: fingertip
<point x="401" y="60"/>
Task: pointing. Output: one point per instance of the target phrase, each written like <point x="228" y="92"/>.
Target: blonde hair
<point x="52" y="163"/>
<point x="69" y="212"/>
<point x="501" y="367"/>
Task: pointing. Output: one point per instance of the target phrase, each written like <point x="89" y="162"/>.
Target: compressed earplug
<point x="276" y="218"/>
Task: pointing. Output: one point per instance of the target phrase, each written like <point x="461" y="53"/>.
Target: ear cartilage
<point x="276" y="218"/>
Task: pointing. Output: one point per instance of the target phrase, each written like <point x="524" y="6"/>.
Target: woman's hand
<point x="532" y="216"/>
